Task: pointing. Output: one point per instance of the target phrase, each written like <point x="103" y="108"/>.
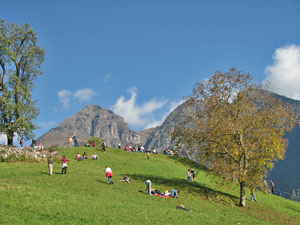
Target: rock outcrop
<point x="8" y="153"/>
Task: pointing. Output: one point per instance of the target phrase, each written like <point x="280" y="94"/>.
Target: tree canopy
<point x="237" y="128"/>
<point x="20" y="63"/>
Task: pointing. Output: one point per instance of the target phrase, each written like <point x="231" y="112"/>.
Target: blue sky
<point x="140" y="58"/>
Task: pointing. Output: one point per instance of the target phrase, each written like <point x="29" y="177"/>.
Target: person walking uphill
<point x="50" y="165"/>
<point x="109" y="174"/>
<point x="64" y="165"/>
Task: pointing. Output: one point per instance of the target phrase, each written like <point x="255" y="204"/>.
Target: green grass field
<point x="28" y="195"/>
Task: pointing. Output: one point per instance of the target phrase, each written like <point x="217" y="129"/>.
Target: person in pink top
<point x="21" y="142"/>
<point x="109" y="174"/>
<point x="64" y="165"/>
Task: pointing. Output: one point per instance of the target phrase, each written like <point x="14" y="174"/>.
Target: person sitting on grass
<point x="125" y="179"/>
<point x="95" y="156"/>
<point x="78" y="157"/>
<point x="84" y="156"/>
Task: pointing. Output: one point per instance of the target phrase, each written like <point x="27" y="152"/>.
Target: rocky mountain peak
<point x="93" y="121"/>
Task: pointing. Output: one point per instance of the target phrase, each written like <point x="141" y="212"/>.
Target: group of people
<point x="64" y="167"/>
<point x="73" y="141"/>
<point x="191" y="175"/>
<point x="85" y="156"/>
<point x="154" y="191"/>
<point x="169" y="152"/>
<point x="32" y="146"/>
<point x="109" y="175"/>
<point x="134" y="148"/>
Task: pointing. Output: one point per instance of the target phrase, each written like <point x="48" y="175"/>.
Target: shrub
<point x="98" y="140"/>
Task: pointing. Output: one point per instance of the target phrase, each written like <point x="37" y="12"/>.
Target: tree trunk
<point x="242" y="194"/>
<point x="10" y="137"/>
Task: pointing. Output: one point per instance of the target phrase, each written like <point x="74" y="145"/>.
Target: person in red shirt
<point x="109" y="174"/>
<point x="64" y="165"/>
<point x="21" y="143"/>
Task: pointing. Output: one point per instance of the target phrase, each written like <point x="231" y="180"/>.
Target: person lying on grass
<point x="155" y="191"/>
<point x="183" y="208"/>
<point x="125" y="179"/>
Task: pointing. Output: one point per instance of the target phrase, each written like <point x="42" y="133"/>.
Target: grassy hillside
<point x="28" y="195"/>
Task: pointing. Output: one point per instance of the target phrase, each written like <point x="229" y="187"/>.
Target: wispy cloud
<point x="284" y="74"/>
<point x="46" y="125"/>
<point x="67" y="96"/>
<point x="64" y="97"/>
<point x="84" y="94"/>
<point x="135" y="114"/>
<point x="107" y="77"/>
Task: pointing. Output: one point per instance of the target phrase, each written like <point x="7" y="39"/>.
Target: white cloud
<point x="66" y="96"/>
<point x="84" y="94"/>
<point x="134" y="114"/>
<point x="46" y="125"/>
<point x="173" y="105"/>
<point x="107" y="77"/>
<point x="284" y="74"/>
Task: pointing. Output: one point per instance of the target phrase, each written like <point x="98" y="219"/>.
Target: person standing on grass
<point x="71" y="142"/>
<point x="252" y="196"/>
<point x="64" y="165"/>
<point x="75" y="138"/>
<point x="148" y="183"/>
<point x="189" y="175"/>
<point x="273" y="188"/>
<point x="109" y="174"/>
<point x="21" y="142"/>
<point x="103" y="146"/>
<point x="148" y="153"/>
<point x="50" y="165"/>
<point x="193" y="172"/>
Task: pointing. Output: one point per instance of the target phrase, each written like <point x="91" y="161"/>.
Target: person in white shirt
<point x="95" y="156"/>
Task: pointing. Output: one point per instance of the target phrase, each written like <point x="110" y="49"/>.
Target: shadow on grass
<point x="188" y="162"/>
<point x="47" y="173"/>
<point x="101" y="181"/>
<point x="184" y="185"/>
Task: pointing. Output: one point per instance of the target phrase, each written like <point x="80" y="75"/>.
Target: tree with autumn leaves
<point x="236" y="127"/>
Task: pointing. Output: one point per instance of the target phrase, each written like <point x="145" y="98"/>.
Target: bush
<point x="98" y="140"/>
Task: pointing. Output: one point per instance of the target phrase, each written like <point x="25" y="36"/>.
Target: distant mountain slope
<point x="160" y="138"/>
<point x="286" y="173"/>
<point x="94" y="121"/>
